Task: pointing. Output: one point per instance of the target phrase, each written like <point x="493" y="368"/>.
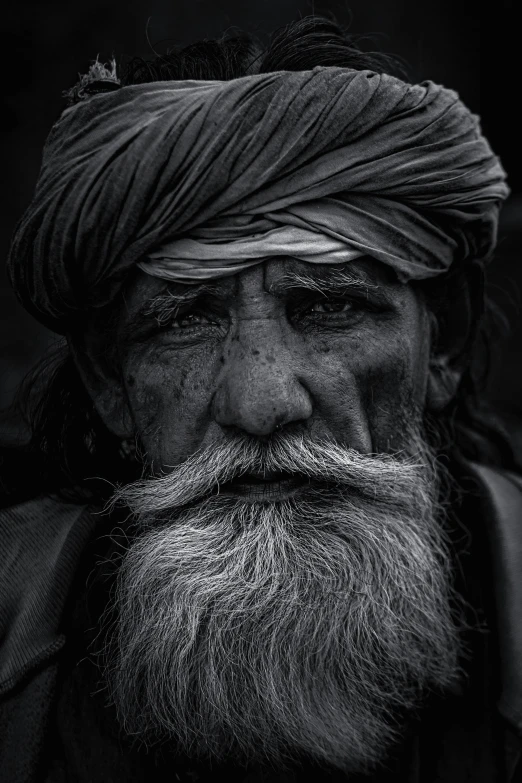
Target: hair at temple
<point x="70" y="447"/>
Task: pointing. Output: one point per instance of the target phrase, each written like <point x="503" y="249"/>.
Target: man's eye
<point x="189" y="319"/>
<point x="327" y="306"/>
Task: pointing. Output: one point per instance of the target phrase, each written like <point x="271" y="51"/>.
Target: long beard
<point x="269" y="633"/>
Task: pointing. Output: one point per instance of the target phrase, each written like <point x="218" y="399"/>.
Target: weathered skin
<point x="254" y="356"/>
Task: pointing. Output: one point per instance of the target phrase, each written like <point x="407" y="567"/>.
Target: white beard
<point x="267" y="633"/>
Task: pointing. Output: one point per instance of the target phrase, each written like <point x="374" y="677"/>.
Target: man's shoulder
<point x="41" y="541"/>
<point x="501" y="492"/>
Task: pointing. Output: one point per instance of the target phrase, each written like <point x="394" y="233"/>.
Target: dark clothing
<point x="55" y="726"/>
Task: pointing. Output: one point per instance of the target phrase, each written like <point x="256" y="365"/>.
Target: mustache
<point x="379" y="477"/>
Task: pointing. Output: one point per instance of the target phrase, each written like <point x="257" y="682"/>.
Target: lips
<point x="269" y="476"/>
<point x="267" y="486"/>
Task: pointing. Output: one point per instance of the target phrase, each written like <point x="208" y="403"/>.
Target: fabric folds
<point x="199" y="179"/>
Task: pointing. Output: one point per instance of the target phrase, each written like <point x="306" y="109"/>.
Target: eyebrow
<point x="322" y="280"/>
<point x="162" y="306"/>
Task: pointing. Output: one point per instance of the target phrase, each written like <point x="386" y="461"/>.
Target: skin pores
<point x="338" y="351"/>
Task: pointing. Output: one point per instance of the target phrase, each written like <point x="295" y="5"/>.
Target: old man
<point x="270" y="537"/>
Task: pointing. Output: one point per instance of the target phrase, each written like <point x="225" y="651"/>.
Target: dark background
<point x="472" y="47"/>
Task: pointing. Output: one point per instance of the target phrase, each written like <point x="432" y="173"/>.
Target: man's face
<point x="338" y="352"/>
<point x="286" y="585"/>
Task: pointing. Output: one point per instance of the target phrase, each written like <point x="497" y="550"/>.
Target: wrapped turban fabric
<point x="193" y="180"/>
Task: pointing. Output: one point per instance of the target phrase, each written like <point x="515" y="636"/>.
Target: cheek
<point x="394" y="392"/>
<point x="373" y="388"/>
<point x="169" y="400"/>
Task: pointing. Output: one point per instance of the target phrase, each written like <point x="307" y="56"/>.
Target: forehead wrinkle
<point x="319" y="278"/>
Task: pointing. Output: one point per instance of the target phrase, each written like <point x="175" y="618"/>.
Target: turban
<point x="199" y="179"/>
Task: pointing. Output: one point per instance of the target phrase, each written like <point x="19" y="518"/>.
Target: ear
<point x="443" y="382"/>
<point x="99" y="371"/>
<point x="463" y="298"/>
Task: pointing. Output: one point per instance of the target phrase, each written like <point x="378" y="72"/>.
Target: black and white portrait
<point x="261" y="428"/>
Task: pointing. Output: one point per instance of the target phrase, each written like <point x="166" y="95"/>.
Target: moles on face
<point x="337" y="351"/>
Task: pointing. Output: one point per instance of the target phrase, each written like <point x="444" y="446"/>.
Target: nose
<point x="260" y="388"/>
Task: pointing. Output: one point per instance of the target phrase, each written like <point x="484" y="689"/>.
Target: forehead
<point x="276" y="275"/>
